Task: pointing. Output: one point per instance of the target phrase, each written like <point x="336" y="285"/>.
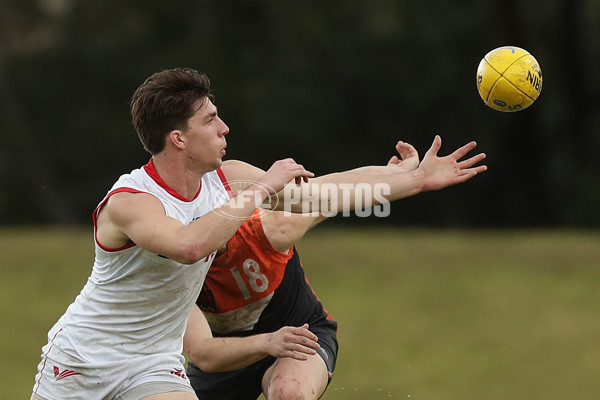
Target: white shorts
<point x="61" y="377"/>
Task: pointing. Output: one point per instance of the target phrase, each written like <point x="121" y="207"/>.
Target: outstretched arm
<point x="227" y="354"/>
<point x="433" y="173"/>
<point x="283" y="230"/>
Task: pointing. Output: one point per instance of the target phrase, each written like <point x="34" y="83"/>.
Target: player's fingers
<point x="296" y="356"/>
<point x="462" y="151"/>
<point x="303" y="172"/>
<point x="297" y="351"/>
<point x="298" y="334"/>
<point x="435" y="146"/>
<point x="394" y="160"/>
<point x="405" y="149"/>
<point x="479" y="169"/>
<point x="284" y="162"/>
<point x="306" y="348"/>
<point x="467" y="174"/>
<point x="307" y="342"/>
<point x="402" y="147"/>
<point x="303" y="331"/>
<point x="471" y="161"/>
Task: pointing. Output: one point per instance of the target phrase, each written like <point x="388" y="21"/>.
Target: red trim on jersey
<point x="225" y="182"/>
<point x="97" y="211"/>
<point x="153" y="173"/>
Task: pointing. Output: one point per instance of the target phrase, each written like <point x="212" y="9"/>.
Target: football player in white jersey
<point x="156" y="234"/>
<point x="157" y="231"/>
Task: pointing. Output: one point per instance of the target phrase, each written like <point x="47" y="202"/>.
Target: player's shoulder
<point x="123" y="204"/>
<point x="236" y="170"/>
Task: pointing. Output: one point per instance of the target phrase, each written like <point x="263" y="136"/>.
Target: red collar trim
<point x="153" y="173"/>
<point x="225" y="183"/>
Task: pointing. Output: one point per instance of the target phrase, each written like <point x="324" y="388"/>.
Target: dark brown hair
<point x="165" y="101"/>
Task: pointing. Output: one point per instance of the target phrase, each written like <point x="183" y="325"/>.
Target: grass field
<point x="422" y="314"/>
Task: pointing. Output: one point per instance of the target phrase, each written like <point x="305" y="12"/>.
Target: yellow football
<point x="509" y="79"/>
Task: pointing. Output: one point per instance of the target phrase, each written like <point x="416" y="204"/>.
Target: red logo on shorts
<point x="66" y="372"/>
<point x="179" y="373"/>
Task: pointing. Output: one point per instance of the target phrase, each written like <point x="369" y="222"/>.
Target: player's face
<point x="206" y="137"/>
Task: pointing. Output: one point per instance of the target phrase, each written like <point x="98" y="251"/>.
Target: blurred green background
<point x="485" y="290"/>
<point x="334" y="84"/>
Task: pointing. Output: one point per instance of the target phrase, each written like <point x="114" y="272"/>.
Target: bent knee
<point x="290" y="388"/>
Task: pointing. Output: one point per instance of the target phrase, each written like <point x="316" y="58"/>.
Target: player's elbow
<point x="209" y="367"/>
<point x="192" y="251"/>
<point x="205" y="363"/>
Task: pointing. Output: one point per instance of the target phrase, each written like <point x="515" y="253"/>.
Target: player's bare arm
<point x="227" y="354"/>
<point x="407" y="160"/>
<point x="433" y="173"/>
<point x="242" y="173"/>
<point x="283" y="230"/>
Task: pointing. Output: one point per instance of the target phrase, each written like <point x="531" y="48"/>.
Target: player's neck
<point x="177" y="176"/>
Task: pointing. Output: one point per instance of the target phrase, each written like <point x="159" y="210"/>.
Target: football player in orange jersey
<point x="254" y="293"/>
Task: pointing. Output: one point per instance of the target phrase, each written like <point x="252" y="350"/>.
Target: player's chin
<point x="218" y="163"/>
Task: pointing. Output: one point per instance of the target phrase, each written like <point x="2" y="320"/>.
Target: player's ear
<point x="177" y="138"/>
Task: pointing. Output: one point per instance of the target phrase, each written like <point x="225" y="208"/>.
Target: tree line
<point x="332" y="84"/>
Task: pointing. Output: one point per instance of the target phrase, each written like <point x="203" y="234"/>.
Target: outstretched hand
<point x="409" y="157"/>
<point x="440" y="172"/>
<point x="293" y="342"/>
<point x="283" y="172"/>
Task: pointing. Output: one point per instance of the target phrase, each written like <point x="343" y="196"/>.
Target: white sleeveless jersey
<point x="135" y="302"/>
